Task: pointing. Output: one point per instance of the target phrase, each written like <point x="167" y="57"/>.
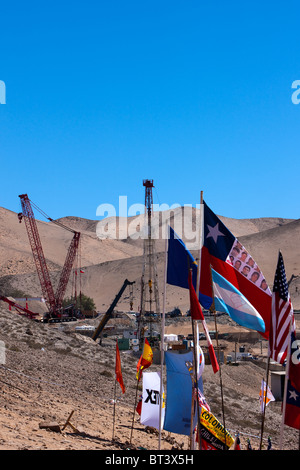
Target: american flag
<point x="201" y="399"/>
<point x="282" y="313"/>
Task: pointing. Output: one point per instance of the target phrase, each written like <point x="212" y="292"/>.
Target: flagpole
<point x="287" y="371"/>
<point x="135" y="404"/>
<point x="201" y="231"/>
<point x="136" y="393"/>
<point x="195" y="384"/>
<point x="220" y="373"/>
<point x="265" y="404"/>
<point x="114" y="413"/>
<point x="194" y="387"/>
<point x="201" y="220"/>
<point x="194" y="381"/>
<point x="162" y="342"/>
<point x="200" y="244"/>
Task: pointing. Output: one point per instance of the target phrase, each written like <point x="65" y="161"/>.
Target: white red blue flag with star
<point x="227" y="256"/>
<point x="292" y="410"/>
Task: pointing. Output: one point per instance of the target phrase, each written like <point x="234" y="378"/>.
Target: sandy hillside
<point x="108" y="262"/>
<point x="50" y="371"/>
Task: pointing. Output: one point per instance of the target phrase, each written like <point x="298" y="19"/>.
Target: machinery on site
<point x="150" y="307"/>
<point x="110" y="310"/>
<point x="54" y="300"/>
<point x="19" y="308"/>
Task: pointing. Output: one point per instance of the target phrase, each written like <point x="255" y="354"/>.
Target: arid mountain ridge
<point x="108" y="262"/>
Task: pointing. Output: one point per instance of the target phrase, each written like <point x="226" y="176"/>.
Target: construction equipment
<point x="149" y="279"/>
<point x="20" y="310"/>
<point x="54" y="300"/>
<point x="110" y="310"/>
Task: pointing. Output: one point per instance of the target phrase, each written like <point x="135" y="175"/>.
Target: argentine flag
<point x="229" y="300"/>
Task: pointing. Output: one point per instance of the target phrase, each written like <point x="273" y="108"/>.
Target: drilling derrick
<point x="150" y="310"/>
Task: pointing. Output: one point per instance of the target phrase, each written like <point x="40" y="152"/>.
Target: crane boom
<point x="65" y="274"/>
<point x="54" y="300"/>
<point x="18" y="307"/>
<point x="110" y="310"/>
<point x="37" y="251"/>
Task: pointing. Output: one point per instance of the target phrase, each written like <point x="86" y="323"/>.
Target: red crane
<point x="20" y="310"/>
<point x="54" y="300"/>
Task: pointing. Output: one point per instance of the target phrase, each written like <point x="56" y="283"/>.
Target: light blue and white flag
<point x="230" y="300"/>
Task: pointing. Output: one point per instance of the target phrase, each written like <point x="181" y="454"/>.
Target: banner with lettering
<point x="151" y="400"/>
<point x="214" y="435"/>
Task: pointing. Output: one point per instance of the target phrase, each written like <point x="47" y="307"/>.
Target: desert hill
<point x="107" y="262"/>
<point x="50" y="370"/>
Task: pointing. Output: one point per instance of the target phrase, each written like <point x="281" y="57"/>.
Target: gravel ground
<point x="49" y="372"/>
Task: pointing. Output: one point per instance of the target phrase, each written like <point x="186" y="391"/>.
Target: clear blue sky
<point x="193" y="94"/>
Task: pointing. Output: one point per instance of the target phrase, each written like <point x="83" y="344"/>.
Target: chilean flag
<point x="225" y="254"/>
<point x="292" y="411"/>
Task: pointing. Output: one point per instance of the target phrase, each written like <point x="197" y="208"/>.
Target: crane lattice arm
<point x="65" y="274"/>
<point x="54" y="300"/>
<point x="37" y="251"/>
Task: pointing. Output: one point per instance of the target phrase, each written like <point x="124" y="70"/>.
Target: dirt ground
<point x="48" y="372"/>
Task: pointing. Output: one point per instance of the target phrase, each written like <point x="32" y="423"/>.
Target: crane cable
<point x="50" y="219"/>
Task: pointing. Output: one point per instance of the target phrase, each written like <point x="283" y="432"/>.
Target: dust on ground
<point x="50" y="371"/>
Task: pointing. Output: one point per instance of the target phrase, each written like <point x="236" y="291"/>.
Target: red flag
<point x="118" y="369"/>
<point x="237" y="443"/>
<point x="139" y="407"/>
<point x="213" y="359"/>
<point x="282" y="315"/>
<point x="196" y="314"/>
<point x="196" y="311"/>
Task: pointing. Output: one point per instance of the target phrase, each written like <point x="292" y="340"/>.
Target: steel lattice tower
<point x="150" y="309"/>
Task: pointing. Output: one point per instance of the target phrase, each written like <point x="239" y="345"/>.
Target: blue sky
<point x="194" y="95"/>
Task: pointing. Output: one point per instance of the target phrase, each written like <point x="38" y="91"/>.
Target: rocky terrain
<point x="50" y="371"/>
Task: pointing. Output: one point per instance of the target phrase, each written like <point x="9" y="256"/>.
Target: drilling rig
<point x="53" y="299"/>
<point x="149" y="309"/>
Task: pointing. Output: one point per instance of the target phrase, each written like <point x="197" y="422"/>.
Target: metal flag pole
<point x="139" y="372"/>
<point x="265" y="404"/>
<point x="114" y="411"/>
<point x="287" y="371"/>
<point x="162" y="341"/>
<point x="220" y="374"/>
<point x="198" y="290"/>
<point x="201" y="233"/>
<point x="200" y="243"/>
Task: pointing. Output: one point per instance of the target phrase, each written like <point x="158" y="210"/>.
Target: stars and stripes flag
<point x="282" y="315"/>
<point x="201" y="399"/>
